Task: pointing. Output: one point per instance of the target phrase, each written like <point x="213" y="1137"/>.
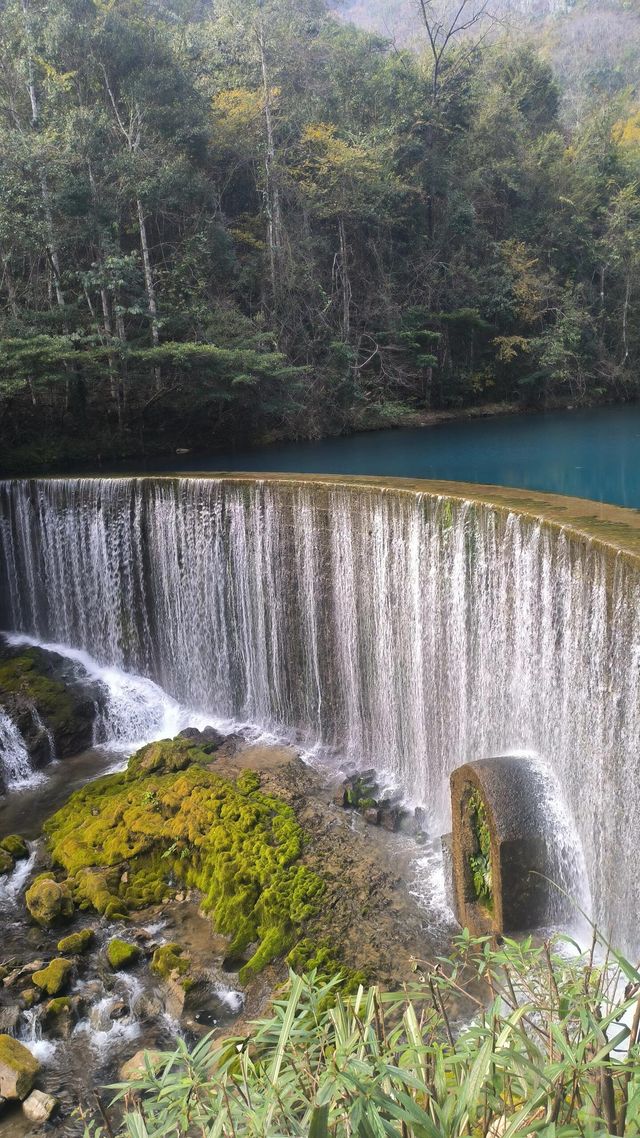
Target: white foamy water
<point x="400" y="630"/>
<point x="15" y="765"/>
<point x="12" y="884"/>
<point x="136" y="710"/>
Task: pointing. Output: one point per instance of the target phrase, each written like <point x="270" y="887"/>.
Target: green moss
<point x="307" y="956"/>
<point x="165" y="756"/>
<point x="29" y="997"/>
<point x="6" y="862"/>
<point x="76" y="943"/>
<point x="480" y="859"/>
<point x="49" y="901"/>
<point x="54" y="977"/>
<point x="21" y="676"/>
<point x="169" y="959"/>
<point x="15" y="845"/>
<point x="57" y="1006"/>
<point x="168" y="822"/>
<point x="20" y="1060"/>
<point x="122" y="954"/>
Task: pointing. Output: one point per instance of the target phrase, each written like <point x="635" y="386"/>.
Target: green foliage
<point x="170" y="819"/>
<point x="549" y="1047"/>
<point x="480" y="859"/>
<point x="413" y="241"/>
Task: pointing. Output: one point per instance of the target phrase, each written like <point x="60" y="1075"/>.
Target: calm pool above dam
<point x="593" y="453"/>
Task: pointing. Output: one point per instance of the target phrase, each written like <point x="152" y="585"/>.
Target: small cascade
<point x="12" y="884"/>
<point x="32" y="1036"/>
<point x="15" y="765"/>
<point x="41" y="726"/>
<point x="134" y="711"/>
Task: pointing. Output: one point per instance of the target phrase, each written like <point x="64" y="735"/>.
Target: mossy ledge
<point x="130" y="840"/>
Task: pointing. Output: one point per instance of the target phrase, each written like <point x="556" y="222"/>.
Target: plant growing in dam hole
<point x="480" y="859"/>
<point x="520" y="1038"/>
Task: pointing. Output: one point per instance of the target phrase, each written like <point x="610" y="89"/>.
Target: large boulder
<point x="18" y="1069"/>
<point x="52" y="700"/>
<point x="49" y="901"/>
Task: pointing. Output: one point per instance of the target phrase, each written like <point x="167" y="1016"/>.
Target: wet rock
<point x="119" y="1010"/>
<point x="149" y="1005"/>
<point x="139" y="1063"/>
<point x="18" y="1068"/>
<point x="372" y="815"/>
<point x="230" y="747"/>
<point x="49" y="901"/>
<point x="208" y="740"/>
<point x="52" y="700"/>
<point x="39" y="1107"/>
<point x="29" y="997"/>
<point x="22" y="972"/>
<point x="174" y="996"/>
<point x="60" y="1017"/>
<point x="391" y="815"/>
<point x="7" y="863"/>
<point x="9" y="1016"/>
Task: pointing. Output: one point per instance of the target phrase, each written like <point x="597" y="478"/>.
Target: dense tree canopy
<point x="250" y="219"/>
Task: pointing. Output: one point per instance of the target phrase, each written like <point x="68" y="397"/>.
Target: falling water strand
<point x="15" y="765"/>
<point x="409" y="632"/>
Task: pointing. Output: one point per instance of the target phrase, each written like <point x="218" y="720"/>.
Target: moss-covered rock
<point x="76" y="943"/>
<point x="41" y="687"/>
<point x="54" y="977"/>
<point x="129" y="840"/>
<point x="49" y="901"/>
<point x="170" y="960"/>
<point x="18" y="1068"/>
<point x="121" y="953"/>
<point x="6" y="862"/>
<point x="16" y="846"/>
<point x="29" y="997"/>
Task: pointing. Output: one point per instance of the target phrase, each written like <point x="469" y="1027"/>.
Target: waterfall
<point x="15" y="765"/>
<point x="407" y="631"/>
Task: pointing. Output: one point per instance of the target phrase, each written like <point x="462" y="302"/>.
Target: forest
<point x="249" y="220"/>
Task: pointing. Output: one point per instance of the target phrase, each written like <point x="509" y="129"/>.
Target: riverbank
<point x="100" y="456"/>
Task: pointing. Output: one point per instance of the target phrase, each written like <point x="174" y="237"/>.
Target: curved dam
<point x="408" y="626"/>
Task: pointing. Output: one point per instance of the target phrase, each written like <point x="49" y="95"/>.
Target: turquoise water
<point x="591" y="453"/>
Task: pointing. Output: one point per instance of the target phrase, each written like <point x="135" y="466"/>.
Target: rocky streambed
<point x="171" y="899"/>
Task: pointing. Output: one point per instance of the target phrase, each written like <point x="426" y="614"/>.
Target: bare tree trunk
<point x="625" y="317"/>
<point x="7" y="279"/>
<point x="272" y="194"/>
<point x="346" y="283"/>
<point x="150" y="287"/>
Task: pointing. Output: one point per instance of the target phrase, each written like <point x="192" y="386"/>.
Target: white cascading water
<point x="407" y="631"/>
<point x="134" y="710"/>
<point x="15" y="765"/>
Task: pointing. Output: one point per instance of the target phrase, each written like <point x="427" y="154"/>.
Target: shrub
<point x="549" y="1047"/>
